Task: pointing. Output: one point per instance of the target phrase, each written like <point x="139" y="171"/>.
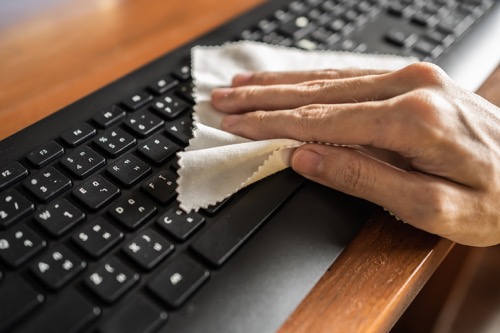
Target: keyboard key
<point x="111" y="116"/>
<point x="298" y="28"/>
<point x="45" y="154"/>
<point x="428" y="48"/>
<point x="58" y="217"/>
<point x="159" y="149"/>
<point x="143" y="123"/>
<point x="11" y="174"/>
<point x="178" y="280"/>
<point x="400" y="38"/>
<point x="161" y="186"/>
<point x="180" y="224"/>
<point x="78" y="135"/>
<point x="455" y="23"/>
<point x="18" y="299"/>
<point x="128" y="170"/>
<point x="183" y="73"/>
<point x="169" y="106"/>
<point x="133" y="210"/>
<point x="114" y="142"/>
<point x="148" y="248"/>
<point x="163" y="85"/>
<point x="68" y="313"/>
<point x="97" y="237"/>
<point x="57" y="267"/>
<point x="137" y="100"/>
<point x="237" y="223"/>
<point x="96" y="193"/>
<point x="47" y="184"/>
<point x="83" y="162"/>
<point x="181" y="129"/>
<point x="186" y="91"/>
<point x="136" y="315"/>
<point x="13" y="206"/>
<point x="19" y="244"/>
<point x="111" y="280"/>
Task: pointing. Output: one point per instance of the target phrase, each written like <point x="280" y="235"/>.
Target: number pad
<point x="111" y="280"/>
<point x="57" y="267"/>
<point x="47" y="184"/>
<point x="114" y="142"/>
<point x="96" y="193"/>
<point x="148" y="249"/>
<point x="83" y="162"/>
<point x="19" y="244"/>
<point x="13" y="206"/>
<point x="97" y="237"/>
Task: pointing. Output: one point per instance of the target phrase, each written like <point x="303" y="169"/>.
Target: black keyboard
<point x="91" y="235"/>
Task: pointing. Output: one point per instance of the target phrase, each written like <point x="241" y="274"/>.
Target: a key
<point x="108" y="117"/>
<point x="97" y="237"/>
<point x="135" y="315"/>
<point x="178" y="280"/>
<point x="169" y="106"/>
<point x="78" y="135"/>
<point x="128" y="170"/>
<point x="13" y="207"/>
<point x="163" y="85"/>
<point x="148" y="248"/>
<point x="180" y="224"/>
<point x="133" y="210"/>
<point x="45" y="154"/>
<point x="185" y="90"/>
<point x="143" y="123"/>
<point x="114" y="142"/>
<point x="298" y="28"/>
<point x="400" y="38"/>
<point x="96" y="193"/>
<point x="183" y="73"/>
<point x="47" y="184"/>
<point x="137" y="100"/>
<point x="111" y="280"/>
<point x="159" y="149"/>
<point x="58" y="217"/>
<point x="161" y="186"/>
<point x="71" y="312"/>
<point x="56" y="267"/>
<point x="181" y="128"/>
<point x="19" y="244"/>
<point x="83" y="162"/>
<point x="18" y="299"/>
<point x="11" y="174"/>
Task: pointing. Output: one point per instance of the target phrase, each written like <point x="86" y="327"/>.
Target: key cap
<point x="178" y="280"/>
<point x="97" y="237"/>
<point x="238" y="222"/>
<point x="183" y="73"/>
<point x="148" y="248"/>
<point x="298" y="28"/>
<point x="19" y="244"/>
<point x="57" y="267"/>
<point x="111" y="280"/>
<point x="11" y="174"/>
<point x="128" y="170"/>
<point x="169" y="106"/>
<point x="161" y="186"/>
<point x="135" y="315"/>
<point x="186" y="91"/>
<point x="163" y="85"/>
<point x="108" y="117"/>
<point x="58" y="217"/>
<point x="180" y="224"/>
<point x="18" y="299"/>
<point x="83" y="162"/>
<point x="137" y="100"/>
<point x="159" y="149"/>
<point x="428" y="48"/>
<point x="47" y="184"/>
<point x="96" y="192"/>
<point x="143" y="123"/>
<point x="400" y="38"/>
<point x="181" y="129"/>
<point x="133" y="210"/>
<point x="114" y="142"/>
<point x="78" y="135"/>
<point x="13" y="207"/>
<point x="69" y="313"/>
<point x="45" y="154"/>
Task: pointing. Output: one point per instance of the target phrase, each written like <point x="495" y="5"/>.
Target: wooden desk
<point x="53" y="52"/>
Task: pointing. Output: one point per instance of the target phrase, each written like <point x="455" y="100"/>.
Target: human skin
<point x="424" y="148"/>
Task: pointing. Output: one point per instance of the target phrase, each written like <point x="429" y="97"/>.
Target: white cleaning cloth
<point x="217" y="164"/>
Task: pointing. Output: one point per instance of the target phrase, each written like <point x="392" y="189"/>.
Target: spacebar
<point x="238" y="222"/>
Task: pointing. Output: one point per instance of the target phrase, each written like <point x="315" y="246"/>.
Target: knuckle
<point x="309" y="119"/>
<point x="426" y="74"/>
<point x="353" y="177"/>
<point x="437" y="213"/>
<point x="311" y="92"/>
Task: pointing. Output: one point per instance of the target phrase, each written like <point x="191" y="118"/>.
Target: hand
<point x="449" y="139"/>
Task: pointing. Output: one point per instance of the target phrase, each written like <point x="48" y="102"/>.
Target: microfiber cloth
<point x="216" y="163"/>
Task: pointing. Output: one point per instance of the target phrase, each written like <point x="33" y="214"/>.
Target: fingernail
<point x="242" y="78"/>
<point x="230" y="121"/>
<point x="307" y="162"/>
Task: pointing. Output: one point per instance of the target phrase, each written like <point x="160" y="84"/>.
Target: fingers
<point x="287" y="96"/>
<point x="271" y="78"/>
